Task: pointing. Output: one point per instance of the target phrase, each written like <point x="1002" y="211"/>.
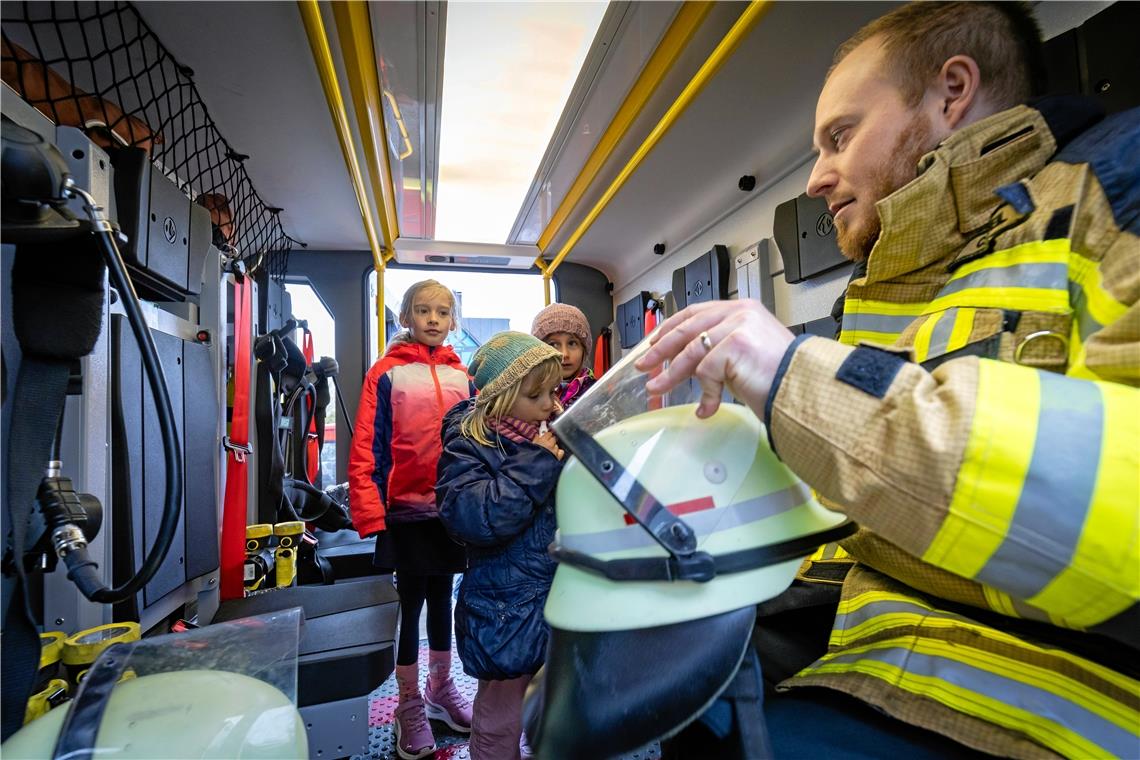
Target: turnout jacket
<point x="395" y="444"/>
<point x="499" y="501"/>
<point x="980" y="418"/>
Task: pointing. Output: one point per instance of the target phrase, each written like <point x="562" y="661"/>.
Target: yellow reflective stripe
<point x="1033" y="258"/>
<point x="885" y="308"/>
<point x="963" y="326"/>
<point x="1097" y="303"/>
<point x="876" y="321"/>
<point x="1036" y="676"/>
<point x="930" y="617"/>
<point x="828" y="553"/>
<point x="1054" y="251"/>
<point x="922" y="337"/>
<point x="855" y="337"/>
<point x="1107" y="552"/>
<point x="1047" y="300"/>
<point x="1052" y="734"/>
<point x="990" y="479"/>
<point x="999" y="601"/>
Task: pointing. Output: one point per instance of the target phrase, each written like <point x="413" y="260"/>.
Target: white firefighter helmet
<point x="670" y="530"/>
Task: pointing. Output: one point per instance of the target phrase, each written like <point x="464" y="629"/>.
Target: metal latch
<point x="240" y="450"/>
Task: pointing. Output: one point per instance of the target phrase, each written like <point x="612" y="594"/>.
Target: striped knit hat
<point x="504" y="360"/>
<point x="562" y="317"/>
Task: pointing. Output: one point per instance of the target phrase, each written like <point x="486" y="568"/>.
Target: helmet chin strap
<point x="670" y="531"/>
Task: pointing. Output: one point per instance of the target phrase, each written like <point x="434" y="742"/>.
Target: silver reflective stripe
<point x="1085" y="320"/>
<point x="1029" y="612"/>
<point x="849" y="620"/>
<point x="703" y="523"/>
<point x="1056" y="492"/>
<point x="1046" y="705"/>
<point x="940" y="335"/>
<point x="1051" y="276"/>
<point x="880" y="323"/>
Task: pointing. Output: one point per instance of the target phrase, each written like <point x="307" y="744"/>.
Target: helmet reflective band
<point x="720" y="476"/>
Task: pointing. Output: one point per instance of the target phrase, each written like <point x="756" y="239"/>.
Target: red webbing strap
<point x="237" y="482"/>
<point x="655" y="402"/>
<point x="602" y="353"/>
<point x="312" y="444"/>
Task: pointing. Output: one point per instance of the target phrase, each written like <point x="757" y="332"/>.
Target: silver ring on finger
<point x="706" y="341"/>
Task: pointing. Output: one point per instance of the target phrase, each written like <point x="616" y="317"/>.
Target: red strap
<point x="237" y="482"/>
<point x="601" y="354"/>
<point x="312" y="443"/>
<point x="655" y="402"/>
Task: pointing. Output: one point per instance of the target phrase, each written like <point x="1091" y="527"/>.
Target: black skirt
<point x="421" y="548"/>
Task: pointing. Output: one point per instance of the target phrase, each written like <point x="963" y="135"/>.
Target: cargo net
<point x="99" y="67"/>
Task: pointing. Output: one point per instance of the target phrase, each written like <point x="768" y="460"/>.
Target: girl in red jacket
<point x="391" y="480"/>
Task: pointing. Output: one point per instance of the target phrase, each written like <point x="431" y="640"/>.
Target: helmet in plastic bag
<point x="670" y="530"/>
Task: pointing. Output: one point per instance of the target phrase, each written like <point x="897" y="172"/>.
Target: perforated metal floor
<point x="450" y="745"/>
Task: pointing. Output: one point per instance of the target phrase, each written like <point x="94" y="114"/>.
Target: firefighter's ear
<point x="957" y="92"/>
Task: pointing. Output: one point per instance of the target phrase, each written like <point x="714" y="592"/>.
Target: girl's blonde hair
<point x="409" y="303"/>
<point x="474" y="425"/>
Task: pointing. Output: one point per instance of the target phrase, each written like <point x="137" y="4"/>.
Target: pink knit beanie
<point x="562" y="317"/>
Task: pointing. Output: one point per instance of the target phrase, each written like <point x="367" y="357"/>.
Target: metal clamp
<point x="1040" y="335"/>
<point x="240" y="450"/>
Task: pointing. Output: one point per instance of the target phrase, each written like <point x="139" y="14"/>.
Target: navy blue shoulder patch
<point x="1112" y="149"/>
<point x="871" y="370"/>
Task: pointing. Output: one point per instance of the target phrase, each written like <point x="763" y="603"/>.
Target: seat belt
<point x="57" y="301"/>
<point x="238" y="449"/>
<point x="312" y="440"/>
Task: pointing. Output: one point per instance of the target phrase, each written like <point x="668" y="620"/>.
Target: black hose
<point x="343" y="408"/>
<point x="78" y="562"/>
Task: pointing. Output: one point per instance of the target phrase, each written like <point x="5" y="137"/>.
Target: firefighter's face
<point x="869" y="141"/>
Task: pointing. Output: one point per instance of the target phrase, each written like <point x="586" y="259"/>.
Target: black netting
<point x="98" y="66"/>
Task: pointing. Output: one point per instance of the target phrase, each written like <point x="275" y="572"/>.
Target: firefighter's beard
<point x="858" y="236"/>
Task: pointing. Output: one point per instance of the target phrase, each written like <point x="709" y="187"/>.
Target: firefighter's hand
<point x="550" y="443"/>
<point x="742" y="351"/>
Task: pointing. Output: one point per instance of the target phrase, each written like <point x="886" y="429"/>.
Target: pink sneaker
<point x="413" y="734"/>
<point x="448" y="705"/>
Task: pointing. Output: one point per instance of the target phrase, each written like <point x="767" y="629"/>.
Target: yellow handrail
<point x="673" y="42"/>
<point x="355" y="32"/>
<point x="751" y="16"/>
<point x="322" y="57"/>
<point x="407" y="151"/>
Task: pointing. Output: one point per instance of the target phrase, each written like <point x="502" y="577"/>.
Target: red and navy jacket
<point x="396" y="444"/>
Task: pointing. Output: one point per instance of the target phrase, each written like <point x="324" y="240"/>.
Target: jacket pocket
<point x="500" y="631"/>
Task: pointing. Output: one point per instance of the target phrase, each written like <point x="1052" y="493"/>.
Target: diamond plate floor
<point x="450" y="745"/>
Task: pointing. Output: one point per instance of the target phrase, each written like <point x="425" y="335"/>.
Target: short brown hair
<point x="1003" y="37"/>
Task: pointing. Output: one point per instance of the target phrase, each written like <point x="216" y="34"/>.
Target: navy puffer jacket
<point x="499" y="501"/>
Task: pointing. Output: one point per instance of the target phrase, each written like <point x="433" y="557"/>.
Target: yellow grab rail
<point x="322" y="57"/>
<point x="673" y="42"/>
<point x="355" y="32"/>
<point x="751" y="16"/>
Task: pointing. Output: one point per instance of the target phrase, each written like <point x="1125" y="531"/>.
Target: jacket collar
<point x="932" y="217"/>
<point x="410" y="351"/>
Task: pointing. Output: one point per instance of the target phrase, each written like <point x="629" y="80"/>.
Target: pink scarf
<point x="514" y="429"/>
<point x="569" y="391"/>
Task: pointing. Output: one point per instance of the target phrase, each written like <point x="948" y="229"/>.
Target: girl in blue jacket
<point x="496" y="495"/>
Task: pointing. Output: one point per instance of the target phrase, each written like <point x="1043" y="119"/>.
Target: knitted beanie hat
<point x="562" y="317"/>
<point x="505" y="359"/>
